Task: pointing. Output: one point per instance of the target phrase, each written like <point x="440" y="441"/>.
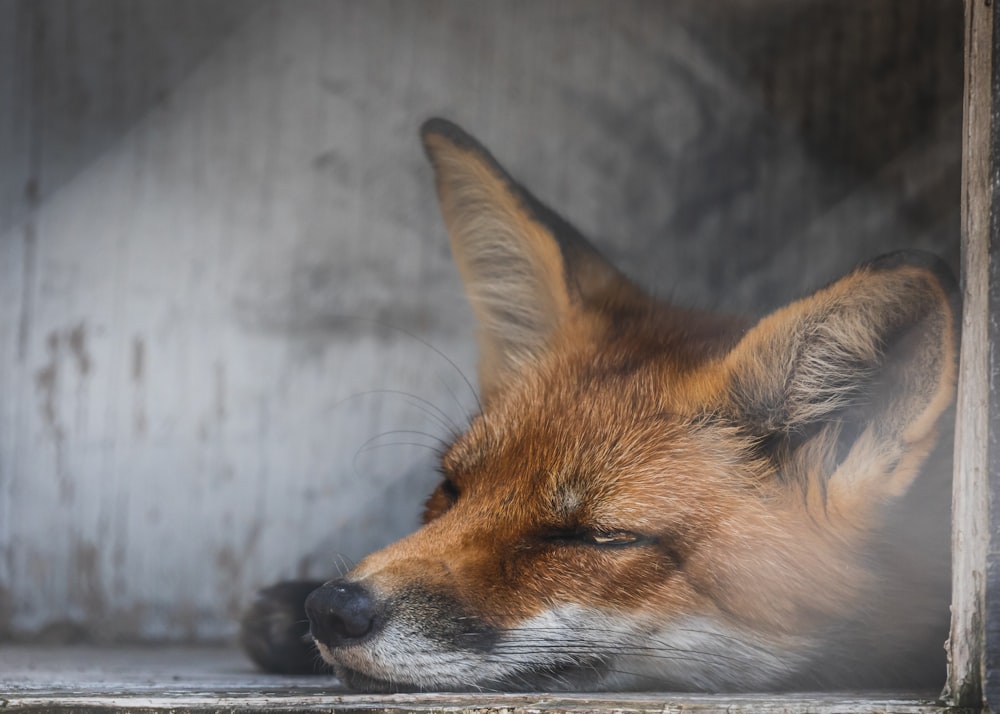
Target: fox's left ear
<point x="526" y="270"/>
<point x="848" y="386"/>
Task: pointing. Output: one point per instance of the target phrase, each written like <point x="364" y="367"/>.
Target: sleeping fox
<point x="653" y="497"/>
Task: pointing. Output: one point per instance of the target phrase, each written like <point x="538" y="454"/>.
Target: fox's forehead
<point x="567" y="417"/>
<point x="563" y="439"/>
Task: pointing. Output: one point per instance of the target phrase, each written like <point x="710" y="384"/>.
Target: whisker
<point x="343" y="564"/>
<point x="454" y="397"/>
<point x="428" y="407"/>
<point x="422" y="341"/>
<point x="653" y="648"/>
<point x="439" y="353"/>
<point x="372" y="447"/>
<point x="368" y="444"/>
<point x="676" y="655"/>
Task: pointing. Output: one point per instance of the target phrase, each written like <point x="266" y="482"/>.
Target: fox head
<point x="657" y="497"/>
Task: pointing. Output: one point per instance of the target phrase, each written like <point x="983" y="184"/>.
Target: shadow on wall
<point x="86" y="73"/>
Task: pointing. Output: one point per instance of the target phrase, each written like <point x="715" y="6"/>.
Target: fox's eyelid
<point x="612" y="538"/>
<point x="599" y="537"/>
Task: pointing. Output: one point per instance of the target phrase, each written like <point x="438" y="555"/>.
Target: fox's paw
<point x="274" y="631"/>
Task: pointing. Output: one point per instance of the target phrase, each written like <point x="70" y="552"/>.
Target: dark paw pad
<point x="274" y="631"/>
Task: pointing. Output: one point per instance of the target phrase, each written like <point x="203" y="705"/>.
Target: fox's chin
<point x="568" y="678"/>
<point x="359" y="682"/>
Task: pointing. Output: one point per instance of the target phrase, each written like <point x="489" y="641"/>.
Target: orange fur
<point x="655" y="497"/>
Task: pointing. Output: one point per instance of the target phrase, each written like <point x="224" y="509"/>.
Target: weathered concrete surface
<point x="209" y="235"/>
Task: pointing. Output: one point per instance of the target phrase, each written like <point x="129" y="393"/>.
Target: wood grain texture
<point x="185" y="679"/>
<point x="990" y="645"/>
<point x="974" y="428"/>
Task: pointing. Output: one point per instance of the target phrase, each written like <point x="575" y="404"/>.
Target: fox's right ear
<point x="848" y="386"/>
<point x="525" y="269"/>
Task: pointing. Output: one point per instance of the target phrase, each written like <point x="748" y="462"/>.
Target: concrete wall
<point x="231" y="336"/>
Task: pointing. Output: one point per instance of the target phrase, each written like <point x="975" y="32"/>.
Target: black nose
<point x="340" y="612"/>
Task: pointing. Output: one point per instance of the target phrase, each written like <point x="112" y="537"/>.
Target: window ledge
<point x="205" y="679"/>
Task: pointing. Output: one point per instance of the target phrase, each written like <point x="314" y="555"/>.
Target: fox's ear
<point x="525" y="269"/>
<point x="854" y="378"/>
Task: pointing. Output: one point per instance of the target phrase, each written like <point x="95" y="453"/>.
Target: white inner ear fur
<point x="820" y="385"/>
<point x="511" y="266"/>
<point x="806" y="362"/>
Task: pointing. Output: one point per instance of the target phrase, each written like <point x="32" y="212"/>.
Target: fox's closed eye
<point x="450" y="490"/>
<point x="612" y="538"/>
<point x="441" y="500"/>
<point x="598" y="537"/>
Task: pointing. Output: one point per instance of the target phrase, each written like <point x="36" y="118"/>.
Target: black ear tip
<point x="916" y="259"/>
<point x="436" y="126"/>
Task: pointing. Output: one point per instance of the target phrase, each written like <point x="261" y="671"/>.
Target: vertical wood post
<point x="972" y="674"/>
<point x="989" y="152"/>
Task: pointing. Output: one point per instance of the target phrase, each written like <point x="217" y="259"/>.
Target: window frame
<point x="973" y="677"/>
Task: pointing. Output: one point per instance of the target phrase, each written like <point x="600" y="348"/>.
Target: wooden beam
<point x="288" y="702"/>
<point x="975" y="586"/>
<point x="990" y="646"/>
<point x="208" y="680"/>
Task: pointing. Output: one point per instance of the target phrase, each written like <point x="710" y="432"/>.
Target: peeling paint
<point x="60" y="345"/>
<point x="77" y="341"/>
<point x="139" y="422"/>
<point x="47" y="385"/>
<point x="229" y="563"/>
<point x="27" y="277"/>
<point x="6" y="612"/>
<point x="138" y="359"/>
<point x="220" y="391"/>
<point x="89" y="581"/>
<point x="45" y="380"/>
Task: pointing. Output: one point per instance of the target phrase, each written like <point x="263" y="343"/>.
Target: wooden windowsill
<point x="217" y="679"/>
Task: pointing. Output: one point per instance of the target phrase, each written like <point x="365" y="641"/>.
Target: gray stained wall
<point x="231" y="334"/>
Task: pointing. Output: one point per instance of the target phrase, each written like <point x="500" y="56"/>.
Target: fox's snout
<point x="394" y="640"/>
<point x="342" y="612"/>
